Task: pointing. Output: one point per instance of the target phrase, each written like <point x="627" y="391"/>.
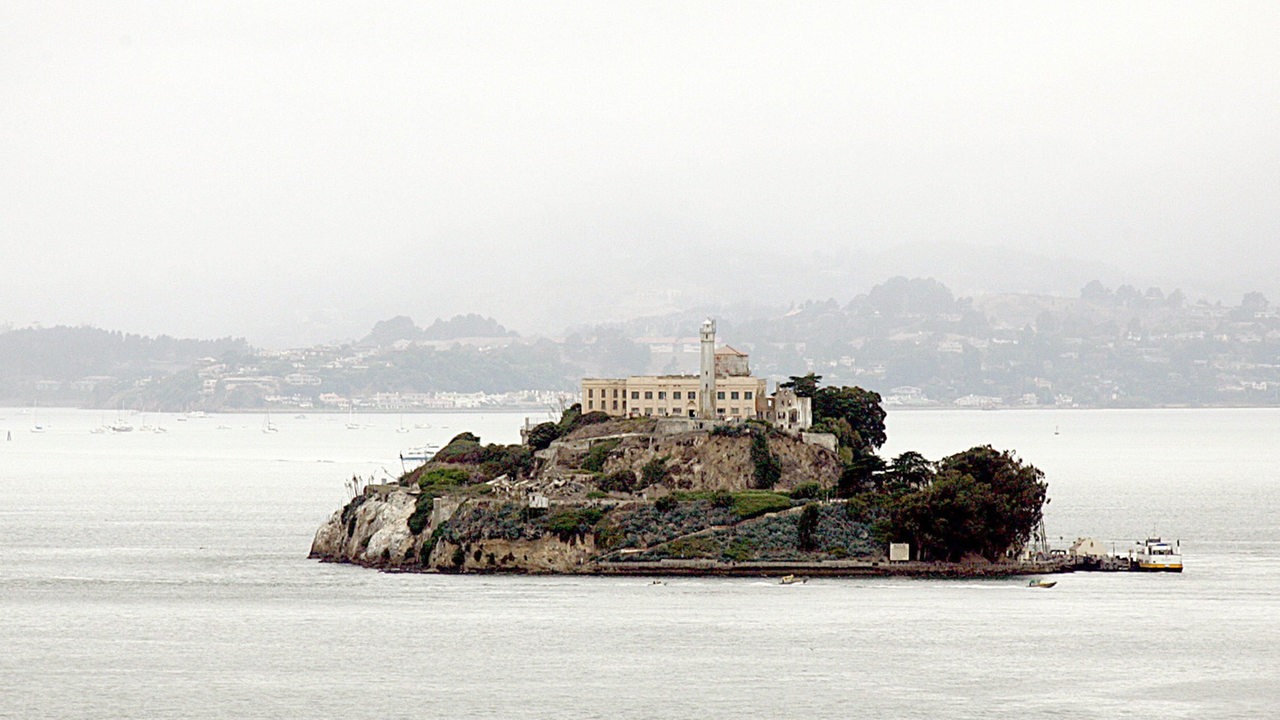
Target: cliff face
<point x="703" y="461"/>
<point x="371" y="530"/>
<point x="494" y="527"/>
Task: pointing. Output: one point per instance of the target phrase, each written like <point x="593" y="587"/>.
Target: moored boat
<point x="1156" y="555"/>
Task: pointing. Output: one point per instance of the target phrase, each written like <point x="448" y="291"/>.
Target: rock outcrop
<point x="549" y="520"/>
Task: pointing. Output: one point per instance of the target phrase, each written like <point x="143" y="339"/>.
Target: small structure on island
<point x="899" y="552"/>
<point x="723" y="391"/>
<point x="1087" y="548"/>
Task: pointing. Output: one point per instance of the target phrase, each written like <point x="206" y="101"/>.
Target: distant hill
<point x="401" y="327"/>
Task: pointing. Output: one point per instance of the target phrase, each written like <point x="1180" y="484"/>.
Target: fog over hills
<point x="294" y="173"/>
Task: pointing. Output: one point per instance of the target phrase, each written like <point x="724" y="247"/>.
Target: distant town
<point x="911" y="340"/>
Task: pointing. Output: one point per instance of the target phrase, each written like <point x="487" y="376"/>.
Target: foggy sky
<point x="296" y="171"/>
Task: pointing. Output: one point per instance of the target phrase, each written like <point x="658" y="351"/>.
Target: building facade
<point x="734" y="398"/>
<point x="722" y="390"/>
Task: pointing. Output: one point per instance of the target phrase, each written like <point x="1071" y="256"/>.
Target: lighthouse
<point x="707" y="384"/>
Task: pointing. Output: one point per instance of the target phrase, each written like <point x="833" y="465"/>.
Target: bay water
<point x="165" y="575"/>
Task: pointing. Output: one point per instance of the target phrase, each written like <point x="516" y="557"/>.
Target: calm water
<point x="165" y="575"/>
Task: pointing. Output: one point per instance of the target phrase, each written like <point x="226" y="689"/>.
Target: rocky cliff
<point x="565" y="516"/>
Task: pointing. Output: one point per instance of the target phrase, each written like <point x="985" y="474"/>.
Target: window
<point x="589" y="392"/>
<point x="720" y="411"/>
<point x="737" y="411"/>
<point x="720" y="395"/>
<point x="615" y="404"/>
<point x="693" y="395"/>
<point x="624" y="404"/>
<point x="662" y="394"/>
<point x="648" y="411"/>
<point x="675" y="395"/>
<point x="746" y="394"/>
<point x="615" y="392"/>
<point x="733" y="395"/>
<point x="635" y="394"/>
<point x="648" y="394"/>
<point x="590" y="404"/>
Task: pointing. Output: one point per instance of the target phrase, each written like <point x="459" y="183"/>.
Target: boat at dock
<point x="1156" y="555"/>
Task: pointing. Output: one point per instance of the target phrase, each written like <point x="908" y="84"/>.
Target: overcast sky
<point x="287" y="170"/>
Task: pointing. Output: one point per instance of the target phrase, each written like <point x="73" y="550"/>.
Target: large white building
<point x="723" y="389"/>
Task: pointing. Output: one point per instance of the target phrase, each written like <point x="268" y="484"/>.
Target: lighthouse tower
<point x="707" y="386"/>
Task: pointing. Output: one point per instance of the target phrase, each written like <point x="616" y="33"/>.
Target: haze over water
<point x="164" y="575"/>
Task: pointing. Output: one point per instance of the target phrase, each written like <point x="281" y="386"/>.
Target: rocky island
<point x="786" y="484"/>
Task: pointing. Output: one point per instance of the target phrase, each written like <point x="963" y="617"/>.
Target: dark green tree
<point x="907" y="472"/>
<point x="767" y="468"/>
<point x="982" y="501"/>
<point x="807" y="527"/>
<point x="854" y="415"/>
<point x="542" y="435"/>
<point x="804" y="385"/>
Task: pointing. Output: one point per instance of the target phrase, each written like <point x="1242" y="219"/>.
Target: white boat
<point x="1041" y="583"/>
<point x="418" y="456"/>
<point x="1156" y="555"/>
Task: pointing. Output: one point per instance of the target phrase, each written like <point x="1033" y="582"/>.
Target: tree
<point x="804" y="385"/>
<point x="767" y="467"/>
<point x="807" y="527"/>
<point x="859" y="473"/>
<point x="862" y="429"/>
<point x="542" y="435"/>
<point x="982" y="501"/>
<point x="908" y="472"/>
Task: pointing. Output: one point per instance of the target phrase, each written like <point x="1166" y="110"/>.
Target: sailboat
<point x="402" y="428"/>
<point x="120" y="425"/>
<point x="36" y="427"/>
<point x="268" y="426"/>
<point x="351" y="418"/>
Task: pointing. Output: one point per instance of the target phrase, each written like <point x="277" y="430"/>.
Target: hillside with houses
<point x="911" y="340"/>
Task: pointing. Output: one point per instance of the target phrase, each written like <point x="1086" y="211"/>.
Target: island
<point x="698" y="474"/>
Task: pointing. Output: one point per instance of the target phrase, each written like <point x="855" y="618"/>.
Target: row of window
<point x="635" y="412"/>
<point x="676" y="394"/>
<point x="591" y="405"/>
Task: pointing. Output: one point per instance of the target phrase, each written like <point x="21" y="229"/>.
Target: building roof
<point x="730" y="350"/>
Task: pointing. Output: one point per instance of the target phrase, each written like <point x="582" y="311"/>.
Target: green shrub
<point x="740" y="550"/>
<point x="807" y="491"/>
<point x="542" y="435"/>
<point x="655" y="471"/>
<point x="443" y="477"/>
<point x="597" y="495"/>
<point x="618" y="481"/>
<point x="568" y="523"/>
<point x="752" y="503"/>
<point x="694" y="547"/>
<point x="666" y="504"/>
<point x="421" y="513"/>
<point x="598" y="454"/>
<point x="463" y="448"/>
